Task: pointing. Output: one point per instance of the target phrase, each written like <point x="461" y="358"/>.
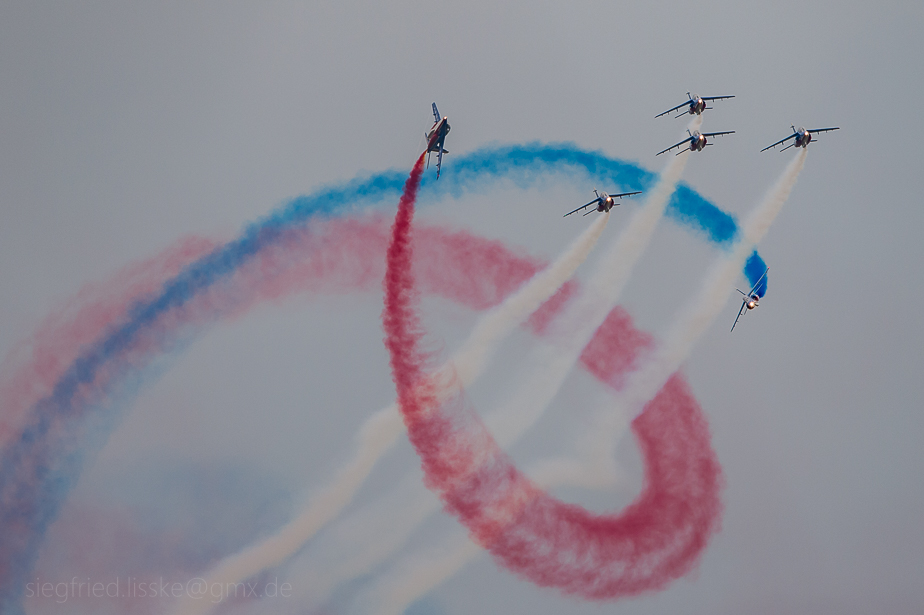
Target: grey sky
<point x="125" y="126"/>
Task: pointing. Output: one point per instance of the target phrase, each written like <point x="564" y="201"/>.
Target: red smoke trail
<point x="345" y="255"/>
<point x="402" y="327"/>
<point x="655" y="540"/>
<point x="333" y="256"/>
<point x="35" y="364"/>
<point x="326" y="257"/>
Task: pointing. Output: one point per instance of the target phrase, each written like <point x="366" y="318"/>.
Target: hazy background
<point x="125" y="126"/>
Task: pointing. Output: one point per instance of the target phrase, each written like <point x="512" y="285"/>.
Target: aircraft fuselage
<point x="437" y="134"/>
<point x="697" y="106"/>
<point x="803" y="138"/>
<point x="697" y="142"/>
<point x="606" y="203"/>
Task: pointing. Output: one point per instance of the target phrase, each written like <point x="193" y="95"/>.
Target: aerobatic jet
<point x="436" y="138"/>
<point x="803" y="137"/>
<point x="697" y="141"/>
<point x="751" y="299"/>
<point x="603" y="202"/>
<point x="696" y="104"/>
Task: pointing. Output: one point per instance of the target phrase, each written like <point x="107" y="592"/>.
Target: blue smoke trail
<point x="754" y="269"/>
<point x="39" y="470"/>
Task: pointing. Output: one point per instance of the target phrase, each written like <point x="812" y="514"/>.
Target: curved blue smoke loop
<point x="38" y="470"/>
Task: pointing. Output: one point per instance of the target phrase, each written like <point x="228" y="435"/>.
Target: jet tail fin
<point x="436" y="113"/>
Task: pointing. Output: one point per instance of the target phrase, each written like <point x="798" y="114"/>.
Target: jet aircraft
<point x="696" y="104"/>
<point x="697" y="141"/>
<point x="603" y="202"/>
<point x="803" y="137"/>
<point x="751" y="299"/>
<point x="436" y="138"/>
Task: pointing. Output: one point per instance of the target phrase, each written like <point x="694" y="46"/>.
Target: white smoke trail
<point x="380" y="432"/>
<point x="417" y="575"/>
<point x="550" y="364"/>
<point x="354" y="545"/>
<point x="546" y="370"/>
<point x="470" y="360"/>
<point x="693" y="319"/>
<point x="421" y="572"/>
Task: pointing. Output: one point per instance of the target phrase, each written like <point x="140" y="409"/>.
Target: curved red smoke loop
<point x="655" y="540"/>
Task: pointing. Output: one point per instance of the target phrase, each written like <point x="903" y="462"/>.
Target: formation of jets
<point x="696" y="142"/>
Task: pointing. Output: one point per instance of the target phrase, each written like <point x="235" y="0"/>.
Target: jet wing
<point x="814" y="130"/>
<point x="687" y="140"/>
<point x="616" y="196"/>
<point x="759" y="280"/>
<point x="780" y="142"/>
<point x="436" y="145"/>
<point x="581" y="207"/>
<point x="718" y="134"/>
<point x="716" y="97"/>
<point x="683" y="104"/>
<point x="740" y="312"/>
<point x="436" y="113"/>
